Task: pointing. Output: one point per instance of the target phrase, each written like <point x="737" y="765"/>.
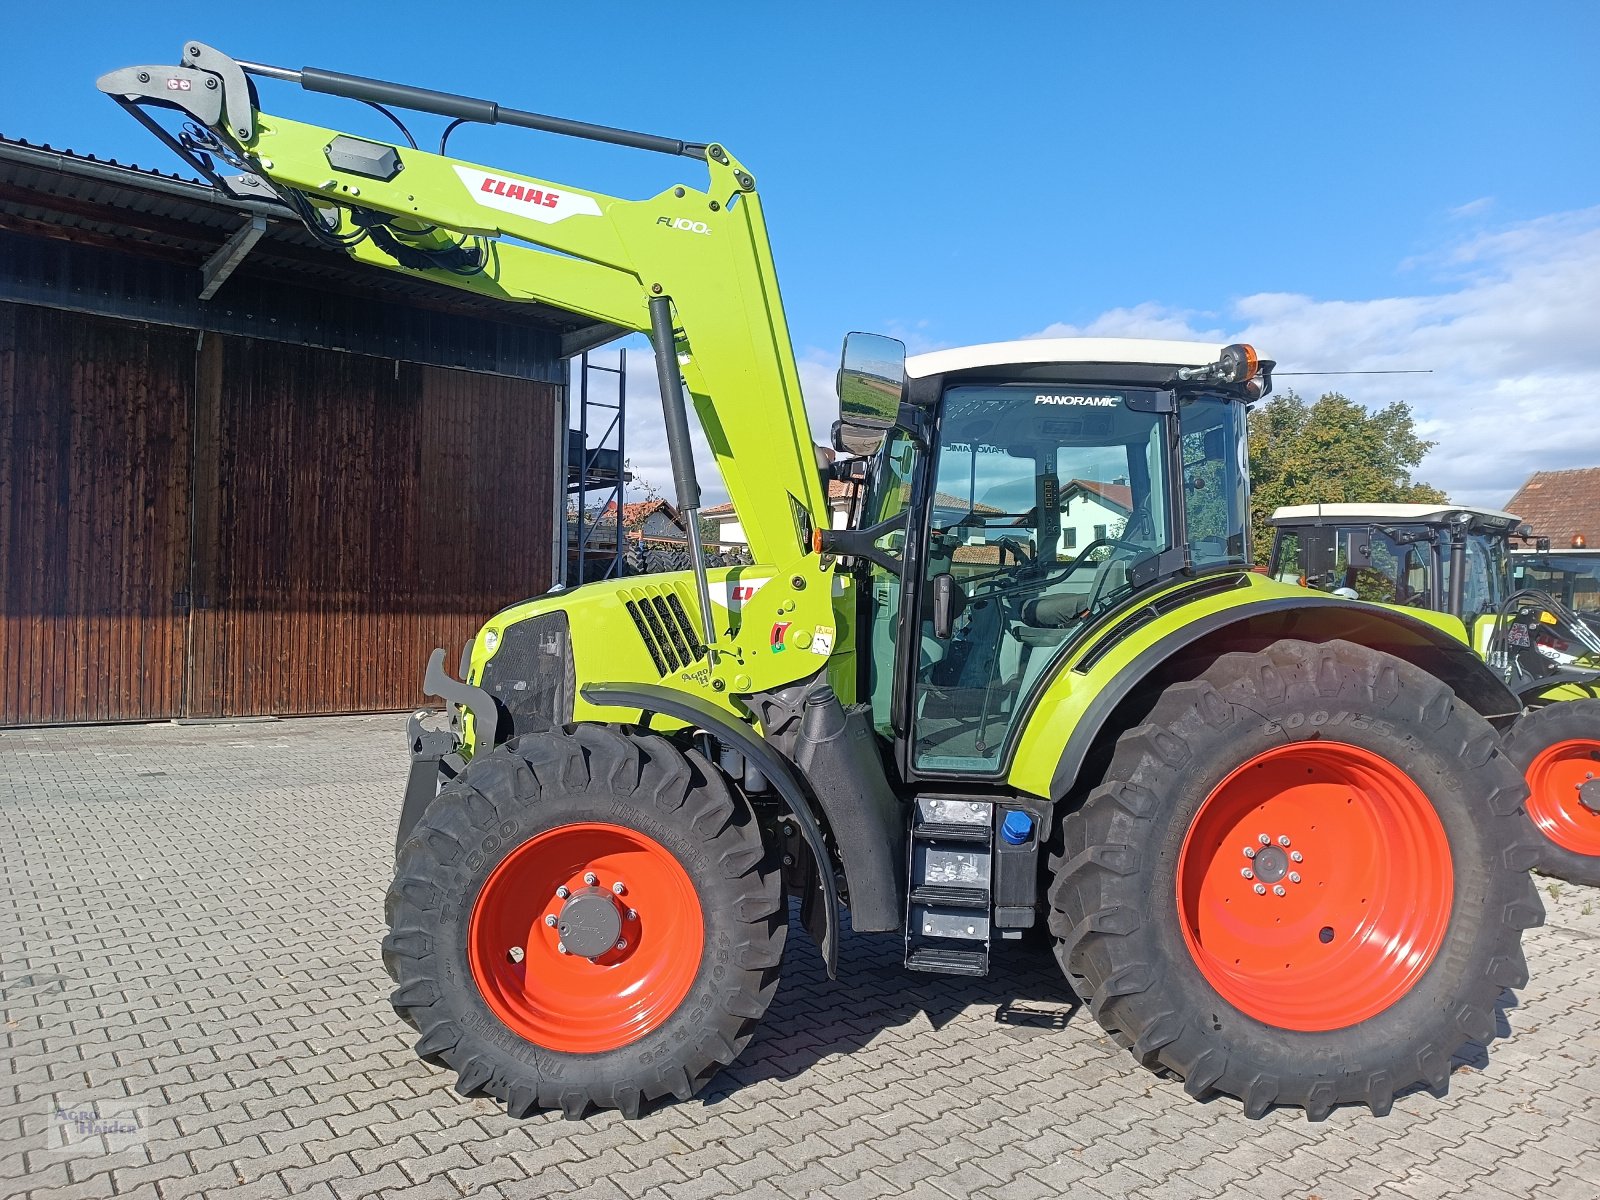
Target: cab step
<point x="949" y="962"/>
<point x="951" y="885"/>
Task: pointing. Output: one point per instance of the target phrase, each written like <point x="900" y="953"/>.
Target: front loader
<point x="1035" y="687"/>
<point x="1462" y="563"/>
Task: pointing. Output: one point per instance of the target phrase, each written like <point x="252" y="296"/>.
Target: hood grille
<point x="661" y="615"/>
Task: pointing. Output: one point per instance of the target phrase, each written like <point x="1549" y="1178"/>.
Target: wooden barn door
<point x="211" y="526"/>
<point x="94" y="528"/>
<point x="351" y="514"/>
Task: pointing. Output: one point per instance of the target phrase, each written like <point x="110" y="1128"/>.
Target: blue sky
<point x="1368" y="184"/>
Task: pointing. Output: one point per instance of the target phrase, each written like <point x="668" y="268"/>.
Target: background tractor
<point x="1515" y="607"/>
<point x="1270" y="832"/>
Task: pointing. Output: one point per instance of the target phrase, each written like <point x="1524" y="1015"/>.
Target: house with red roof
<point x="1563" y="506"/>
<point x="649" y="523"/>
<point x="1091" y="510"/>
<point x="730" y="534"/>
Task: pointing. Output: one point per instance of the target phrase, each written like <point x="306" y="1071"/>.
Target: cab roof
<point x="1144" y="351"/>
<point x="1417" y="514"/>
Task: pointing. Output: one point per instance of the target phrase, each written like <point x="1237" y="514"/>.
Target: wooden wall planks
<point x="94" y="537"/>
<point x="322" y="520"/>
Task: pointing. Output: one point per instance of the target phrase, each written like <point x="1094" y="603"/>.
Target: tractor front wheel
<point x="1558" y="748"/>
<point x="1301" y="882"/>
<point x="584" y="919"/>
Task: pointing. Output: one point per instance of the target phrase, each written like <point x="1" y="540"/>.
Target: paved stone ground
<point x="189" y="922"/>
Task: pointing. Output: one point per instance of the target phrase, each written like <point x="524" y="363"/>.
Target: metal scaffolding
<point x="593" y="539"/>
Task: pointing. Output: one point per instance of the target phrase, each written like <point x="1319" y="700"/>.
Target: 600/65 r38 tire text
<point x="1301" y="882"/>
<point x="584" y="919"/>
<point x="1558" y="749"/>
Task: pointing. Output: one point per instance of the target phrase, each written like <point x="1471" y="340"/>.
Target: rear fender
<point x="1124" y="683"/>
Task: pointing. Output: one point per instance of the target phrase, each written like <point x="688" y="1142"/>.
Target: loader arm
<point x="518" y="237"/>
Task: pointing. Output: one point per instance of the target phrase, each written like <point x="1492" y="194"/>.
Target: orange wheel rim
<point x="633" y="921"/>
<point x="1556" y="778"/>
<point x="1315" y="886"/>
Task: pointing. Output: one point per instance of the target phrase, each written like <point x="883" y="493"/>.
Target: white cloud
<point x="1473" y="208"/>
<point x="1511" y="335"/>
<point x="1508" y="320"/>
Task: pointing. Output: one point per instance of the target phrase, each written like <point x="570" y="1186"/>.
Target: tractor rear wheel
<point x="584" y="919"/>
<point x="1557" y="747"/>
<point x="1301" y="882"/>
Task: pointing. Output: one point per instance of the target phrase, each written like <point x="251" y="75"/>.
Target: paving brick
<point x="229" y="983"/>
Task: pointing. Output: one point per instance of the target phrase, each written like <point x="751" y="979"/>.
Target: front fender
<point x="653" y="698"/>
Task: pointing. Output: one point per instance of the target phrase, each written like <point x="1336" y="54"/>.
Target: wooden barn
<point x="240" y="474"/>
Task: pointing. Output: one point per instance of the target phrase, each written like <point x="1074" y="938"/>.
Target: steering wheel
<point x="1020" y="550"/>
<point x="986" y="587"/>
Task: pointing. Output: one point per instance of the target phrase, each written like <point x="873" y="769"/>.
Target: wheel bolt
<point x="1283" y="840"/>
<point x="1248" y="873"/>
<point x="1261" y="889"/>
<point x="633" y="915"/>
<point x="591" y="878"/>
<point x="618" y="887"/>
<point x="622" y="943"/>
<point x="550" y="920"/>
<point x="562" y="893"/>
<point x="1264" y="840"/>
<point x="561" y="948"/>
<point x="1279" y="890"/>
<point x="1296" y="856"/>
<point x="1294" y="876"/>
<point x="1249" y="851"/>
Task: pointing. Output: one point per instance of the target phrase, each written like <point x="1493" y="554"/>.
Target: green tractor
<point x="1037" y="687"/>
<point x="1514" y="606"/>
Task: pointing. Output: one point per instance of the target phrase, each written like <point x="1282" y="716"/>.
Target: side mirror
<point x="872" y="380"/>
<point x="1358" y="551"/>
<point x="948" y="601"/>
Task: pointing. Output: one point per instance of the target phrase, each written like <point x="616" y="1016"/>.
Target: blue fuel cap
<point x="1017" y="827"/>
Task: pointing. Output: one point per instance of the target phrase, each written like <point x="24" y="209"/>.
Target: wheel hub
<point x="1589" y="795"/>
<point x="590" y="923"/>
<point x="1270" y="863"/>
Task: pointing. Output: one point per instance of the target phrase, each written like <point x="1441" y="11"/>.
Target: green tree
<point x="1331" y="451"/>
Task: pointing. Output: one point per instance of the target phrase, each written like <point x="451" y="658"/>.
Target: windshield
<point x="1391" y="564"/>
<point x="1047" y="502"/>
<point x="1574" y="579"/>
<point x="1016" y="484"/>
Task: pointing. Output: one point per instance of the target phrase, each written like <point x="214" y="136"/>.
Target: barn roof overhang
<point x="227" y="251"/>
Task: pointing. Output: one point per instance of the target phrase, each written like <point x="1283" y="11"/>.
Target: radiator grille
<point x="661" y="615"/>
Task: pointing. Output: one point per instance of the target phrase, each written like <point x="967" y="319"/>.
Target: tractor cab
<point x="1443" y="558"/>
<point x="1027" y="491"/>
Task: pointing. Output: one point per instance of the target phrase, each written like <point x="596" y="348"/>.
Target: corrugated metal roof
<point x="138" y="206"/>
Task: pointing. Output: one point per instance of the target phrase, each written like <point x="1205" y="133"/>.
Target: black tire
<point x="668" y="558"/>
<point x="635" y="561"/>
<point x="1534" y="733"/>
<point x="539" y="782"/>
<point x="1115" y="909"/>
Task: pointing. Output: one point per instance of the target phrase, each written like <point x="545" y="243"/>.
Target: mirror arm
<point x="858" y="543"/>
